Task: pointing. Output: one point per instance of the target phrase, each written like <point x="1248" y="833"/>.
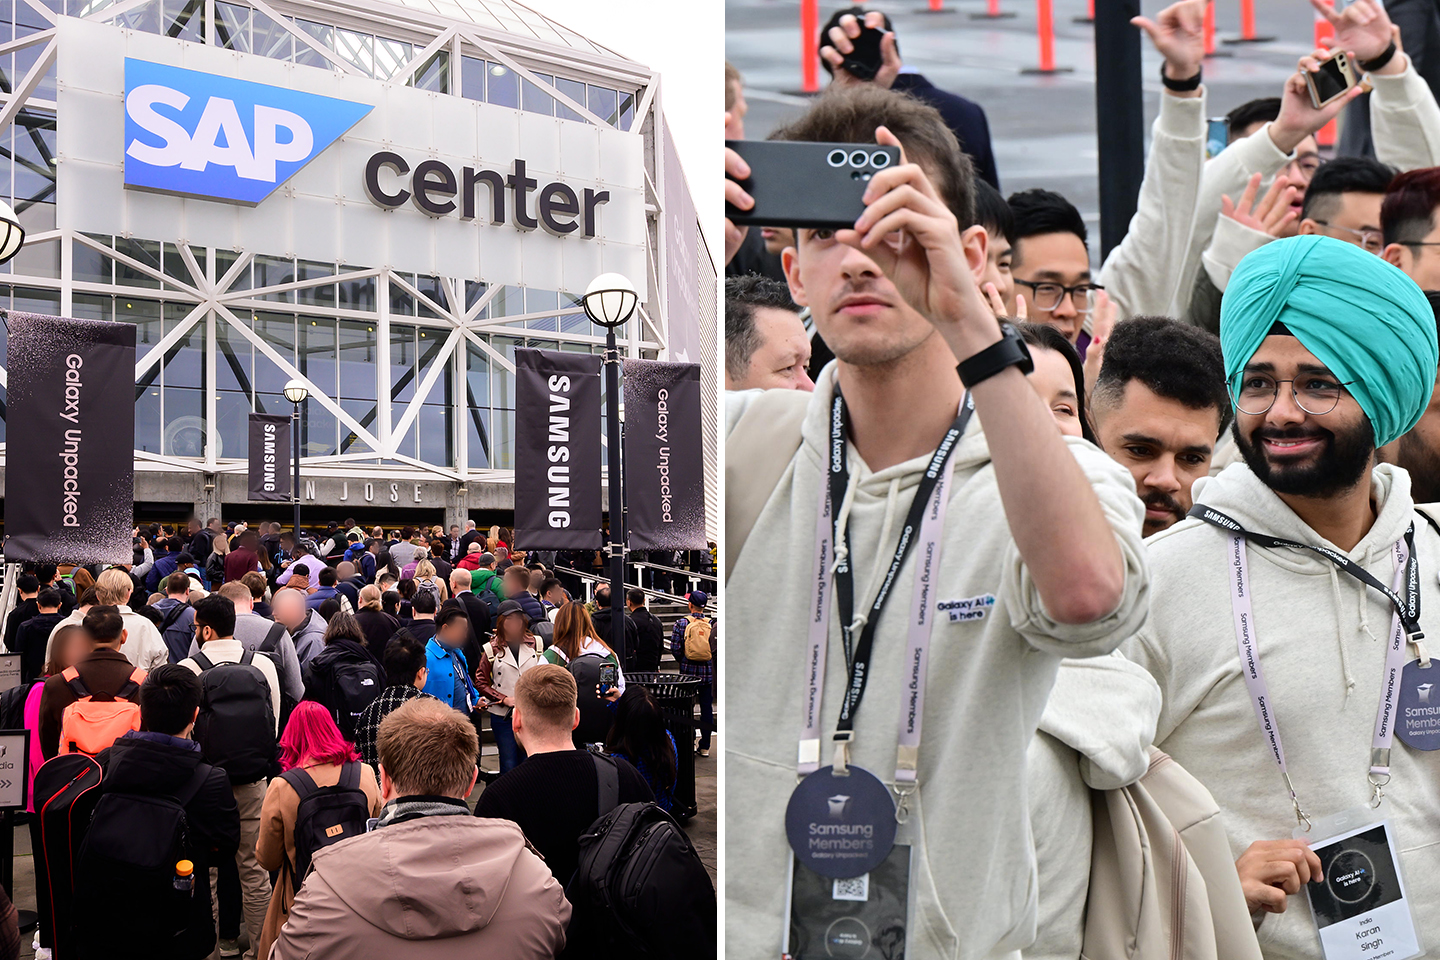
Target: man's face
<point x="1054" y="381"/>
<point x="998" y="255"/>
<point x="1053" y="258"/>
<point x="779" y="361"/>
<point x="454" y="533"/>
<point x="1164" y="444"/>
<point x="1293" y="451"/>
<point x="857" y="310"/>
<point x="777" y="239"/>
<point x="556" y="596"/>
<point x="1420" y="262"/>
<point x="1419" y="453"/>
<point x="1352" y="217"/>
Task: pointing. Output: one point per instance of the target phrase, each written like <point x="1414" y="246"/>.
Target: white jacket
<point x="143" y="645"/>
<point x="1152" y="271"/>
<point x="1321" y="636"/>
<point x="1095" y="734"/>
<point x="974" y="883"/>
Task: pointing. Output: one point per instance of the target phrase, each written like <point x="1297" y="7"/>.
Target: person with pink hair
<point x="312" y="743"/>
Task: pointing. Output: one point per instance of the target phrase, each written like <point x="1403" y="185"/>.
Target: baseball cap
<point x="509" y="606"/>
<point x="698" y="597"/>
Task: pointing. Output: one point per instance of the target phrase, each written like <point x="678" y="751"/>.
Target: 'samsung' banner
<point x="269" y="457"/>
<point x="664" y="459"/>
<point x="557" y="450"/>
<point x="70" y="440"/>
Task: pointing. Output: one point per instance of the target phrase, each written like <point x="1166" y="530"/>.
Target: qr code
<point x="855" y="888"/>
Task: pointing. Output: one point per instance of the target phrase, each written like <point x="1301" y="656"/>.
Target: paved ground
<point x="1042" y="127"/>
<point x="701" y="829"/>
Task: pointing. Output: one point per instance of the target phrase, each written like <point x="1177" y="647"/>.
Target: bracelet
<point x="1183" y="86"/>
<point x="1009" y="351"/>
<point x="1370" y="66"/>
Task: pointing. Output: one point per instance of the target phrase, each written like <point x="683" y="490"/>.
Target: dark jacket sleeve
<point x="56" y="696"/>
<point x="1204" y="308"/>
<point x="214" y="818"/>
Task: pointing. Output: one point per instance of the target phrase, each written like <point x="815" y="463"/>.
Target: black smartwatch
<point x="1009" y="352"/>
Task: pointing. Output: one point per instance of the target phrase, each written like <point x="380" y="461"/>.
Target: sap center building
<point x="382" y="199"/>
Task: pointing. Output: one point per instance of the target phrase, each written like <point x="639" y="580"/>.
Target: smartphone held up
<point x="812" y="185"/>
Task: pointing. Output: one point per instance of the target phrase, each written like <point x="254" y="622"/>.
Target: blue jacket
<point x="320" y="596"/>
<point x="449" y="677"/>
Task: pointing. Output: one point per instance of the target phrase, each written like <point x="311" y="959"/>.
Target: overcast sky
<point x="684" y="42"/>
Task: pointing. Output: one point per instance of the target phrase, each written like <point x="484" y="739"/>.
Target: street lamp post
<point x="610" y="301"/>
<point x="296" y="392"/>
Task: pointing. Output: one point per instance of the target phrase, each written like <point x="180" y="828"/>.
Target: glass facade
<point x="406" y="370"/>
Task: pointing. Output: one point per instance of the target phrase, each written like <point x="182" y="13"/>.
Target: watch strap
<point x="1010" y="351"/>
<point x="1182" y="86"/>
<point x="1369" y="66"/>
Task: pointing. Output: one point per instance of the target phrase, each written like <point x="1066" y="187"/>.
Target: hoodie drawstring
<point x="882" y="559"/>
<point x="1339" y="629"/>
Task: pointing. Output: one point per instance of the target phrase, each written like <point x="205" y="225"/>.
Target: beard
<point x="1162" y="501"/>
<point x="1423" y="465"/>
<point x="1345" y="457"/>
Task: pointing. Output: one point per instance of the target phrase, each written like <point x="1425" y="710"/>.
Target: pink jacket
<point x="447" y="887"/>
<point x="32" y="723"/>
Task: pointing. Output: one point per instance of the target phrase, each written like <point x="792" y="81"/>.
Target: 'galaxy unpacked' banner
<point x="664" y="456"/>
<point x="269" y="457"/>
<point x="557" y="450"/>
<point x="70" y="440"/>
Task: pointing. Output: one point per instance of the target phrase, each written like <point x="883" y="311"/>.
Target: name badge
<point x="1360" y="907"/>
<point x="841" y="827"/>
<point x="1419" y="707"/>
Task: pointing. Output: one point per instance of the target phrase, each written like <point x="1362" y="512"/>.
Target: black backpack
<point x="326" y="815"/>
<point x="236" y="727"/>
<point x="12" y="706"/>
<point x="595" y="717"/>
<point x="640" y="889"/>
<point x="348" y="682"/>
<point x="172" y="615"/>
<point x="66" y="790"/>
<point x="126" y="870"/>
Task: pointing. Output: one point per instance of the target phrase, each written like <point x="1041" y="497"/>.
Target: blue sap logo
<point x="207" y="136"/>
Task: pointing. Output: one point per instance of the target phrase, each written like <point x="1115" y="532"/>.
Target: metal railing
<point x="591" y="580"/>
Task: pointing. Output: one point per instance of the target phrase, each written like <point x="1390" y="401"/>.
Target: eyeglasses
<point x="1047" y="296"/>
<point x="1370" y="240"/>
<point x="1317" y="395"/>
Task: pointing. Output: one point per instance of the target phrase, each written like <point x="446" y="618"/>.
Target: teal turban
<point x="1360" y="316"/>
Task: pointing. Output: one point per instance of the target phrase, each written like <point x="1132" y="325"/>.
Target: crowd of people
<point x="1219" y="448"/>
<point x="279" y="728"/>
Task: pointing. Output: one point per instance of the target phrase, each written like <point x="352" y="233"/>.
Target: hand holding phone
<point x="861" y="51"/>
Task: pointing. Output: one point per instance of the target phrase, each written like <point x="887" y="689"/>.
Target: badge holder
<point x="863" y="916"/>
<point x="1361" y="908"/>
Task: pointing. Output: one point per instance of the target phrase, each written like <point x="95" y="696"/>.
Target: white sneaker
<point x="41" y="953"/>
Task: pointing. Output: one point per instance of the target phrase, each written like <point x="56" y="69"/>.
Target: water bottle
<point x="184" y="879"/>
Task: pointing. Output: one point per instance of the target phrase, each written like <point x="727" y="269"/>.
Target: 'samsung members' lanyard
<point x="1405" y="626"/>
<point x="924" y="525"/>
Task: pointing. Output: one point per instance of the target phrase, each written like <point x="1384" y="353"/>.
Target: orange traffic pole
<point x="809" y="56"/>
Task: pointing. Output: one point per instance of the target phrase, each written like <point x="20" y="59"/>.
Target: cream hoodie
<point x="1095" y="733"/>
<point x="973" y="880"/>
<point x="1321" y="636"/>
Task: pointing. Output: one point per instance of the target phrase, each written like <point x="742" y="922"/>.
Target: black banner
<point x="70" y="440"/>
<point x="269" y="457"/>
<point x="664" y="456"/>
<point x="557" y="450"/>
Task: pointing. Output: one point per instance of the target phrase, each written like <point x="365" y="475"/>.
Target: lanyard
<point x="1407" y="613"/>
<point x="929" y="523"/>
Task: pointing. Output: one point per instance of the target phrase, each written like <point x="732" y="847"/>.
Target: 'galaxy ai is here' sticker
<point x="974" y="608"/>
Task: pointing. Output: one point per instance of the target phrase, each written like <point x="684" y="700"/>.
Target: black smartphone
<point x="609" y="676"/>
<point x="864" y="60"/>
<point x="815" y="185"/>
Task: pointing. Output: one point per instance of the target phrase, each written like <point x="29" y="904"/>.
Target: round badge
<point x="841" y="827"/>
<point x="1350" y="876"/>
<point x="848" y="939"/>
<point x="1418" y="723"/>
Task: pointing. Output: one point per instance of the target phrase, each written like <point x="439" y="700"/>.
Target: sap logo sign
<point x="203" y="135"/>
